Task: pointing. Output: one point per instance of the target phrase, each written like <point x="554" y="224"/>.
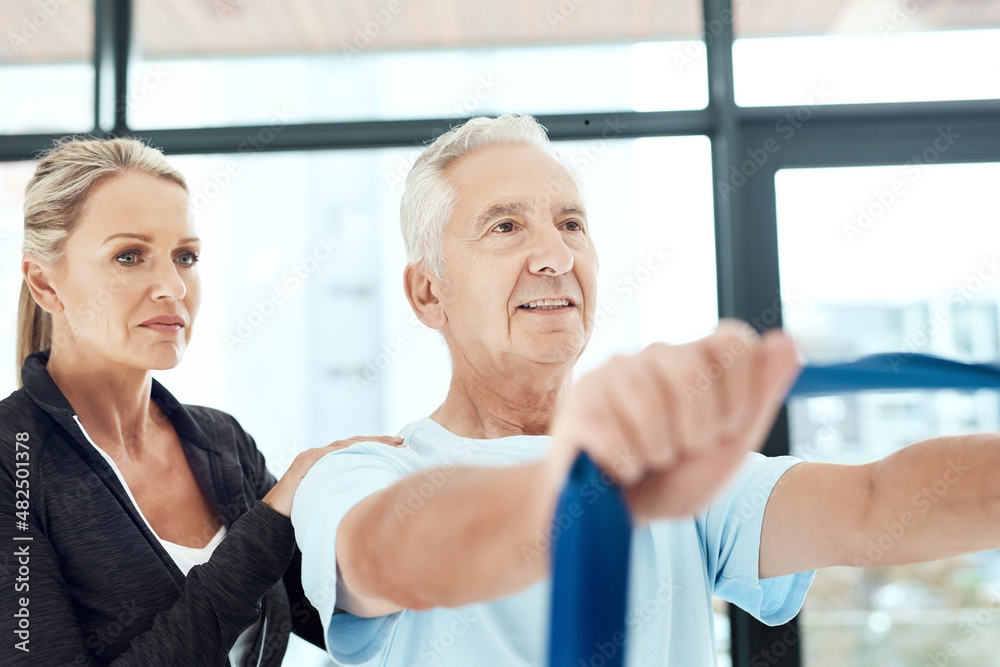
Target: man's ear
<point x="38" y="276"/>
<point x="422" y="289"/>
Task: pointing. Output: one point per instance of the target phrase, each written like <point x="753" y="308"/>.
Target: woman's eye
<point x="504" y="227"/>
<point x="129" y="258"/>
<point x="187" y="259"/>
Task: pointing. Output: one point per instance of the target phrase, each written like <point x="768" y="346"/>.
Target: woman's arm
<point x="219" y="599"/>
<point x="306" y="622"/>
<point x="216" y="602"/>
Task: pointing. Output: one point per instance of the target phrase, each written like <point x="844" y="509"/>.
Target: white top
<point x="676" y="566"/>
<point x="188" y="557"/>
<point x="184" y="557"/>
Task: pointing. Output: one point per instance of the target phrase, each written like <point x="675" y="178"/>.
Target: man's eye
<point x="574" y="226"/>
<point x="129" y="258"/>
<point x="504" y="227"/>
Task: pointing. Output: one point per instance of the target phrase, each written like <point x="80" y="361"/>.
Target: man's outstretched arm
<point x="931" y="500"/>
<point x="463" y="544"/>
<point x="668" y="439"/>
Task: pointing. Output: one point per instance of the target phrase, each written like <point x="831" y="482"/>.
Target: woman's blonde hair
<point x="53" y="203"/>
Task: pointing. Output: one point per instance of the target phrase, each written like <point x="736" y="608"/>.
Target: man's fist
<point x="672" y="423"/>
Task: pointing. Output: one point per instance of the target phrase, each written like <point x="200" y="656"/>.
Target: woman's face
<point x="128" y="280"/>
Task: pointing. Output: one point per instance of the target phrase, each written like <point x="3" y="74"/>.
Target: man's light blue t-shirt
<point x="676" y="565"/>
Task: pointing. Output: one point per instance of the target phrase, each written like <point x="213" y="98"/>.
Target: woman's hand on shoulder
<point x="281" y="494"/>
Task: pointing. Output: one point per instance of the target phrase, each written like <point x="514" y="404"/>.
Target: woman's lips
<point x="164" y="324"/>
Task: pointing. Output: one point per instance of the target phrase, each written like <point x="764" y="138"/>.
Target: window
<point x="851" y="53"/>
<point x="887" y="259"/>
<point x="46" y="74"/>
<point x="397" y="61"/>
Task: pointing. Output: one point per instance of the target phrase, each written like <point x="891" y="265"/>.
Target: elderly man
<point x="433" y="553"/>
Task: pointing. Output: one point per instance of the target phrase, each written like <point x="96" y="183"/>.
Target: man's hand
<point x="673" y="423"/>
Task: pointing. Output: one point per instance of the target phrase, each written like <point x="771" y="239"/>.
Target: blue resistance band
<point x="894" y="371"/>
<point x="591" y="537"/>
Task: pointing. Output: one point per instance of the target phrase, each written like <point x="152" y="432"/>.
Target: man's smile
<point x="547" y="304"/>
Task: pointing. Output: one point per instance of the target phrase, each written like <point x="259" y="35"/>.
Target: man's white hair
<point x="429" y="200"/>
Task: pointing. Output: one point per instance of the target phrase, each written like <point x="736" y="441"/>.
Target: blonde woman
<point x="144" y="531"/>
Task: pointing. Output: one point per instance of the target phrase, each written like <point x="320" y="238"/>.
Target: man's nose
<point x="549" y="254"/>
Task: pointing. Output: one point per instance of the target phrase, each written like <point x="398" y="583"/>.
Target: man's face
<point x="520" y="269"/>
